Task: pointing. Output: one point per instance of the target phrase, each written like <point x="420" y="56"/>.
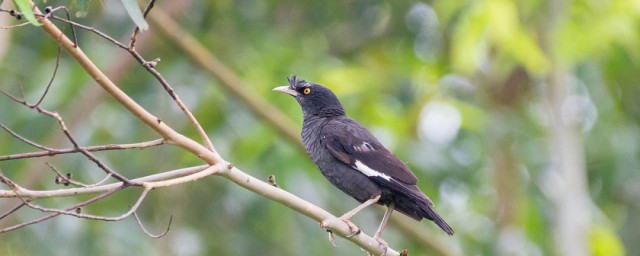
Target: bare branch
<point x="73" y="30"/>
<point x="188" y="178"/>
<point x="146" y="64"/>
<point x="90" y="201"/>
<point x="149" y="233"/>
<point x="230" y="81"/>
<point x="176" y="99"/>
<point x="13" y="13"/>
<point x="15" y="26"/>
<point x="136" y="31"/>
<point x="52" y="152"/>
<point x="17" y="136"/>
<point x="9" y="212"/>
<point x="153" y="122"/>
<point x="46" y="90"/>
<point x="35" y="194"/>
<point x="72" y="211"/>
<point x="298" y="204"/>
<point x="66" y="132"/>
<point x="86" y="153"/>
<point x="66" y="179"/>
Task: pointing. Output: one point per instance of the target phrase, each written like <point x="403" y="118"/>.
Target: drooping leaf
<point x="25" y="8"/>
<point x="136" y="15"/>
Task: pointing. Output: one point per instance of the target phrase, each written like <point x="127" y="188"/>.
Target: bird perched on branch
<point x="353" y="160"/>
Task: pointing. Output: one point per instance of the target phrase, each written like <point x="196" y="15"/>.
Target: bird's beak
<point x="287" y="90"/>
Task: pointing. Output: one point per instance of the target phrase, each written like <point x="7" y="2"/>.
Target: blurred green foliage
<point x="452" y="87"/>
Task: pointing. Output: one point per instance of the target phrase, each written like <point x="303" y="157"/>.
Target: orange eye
<point x="306" y="91"/>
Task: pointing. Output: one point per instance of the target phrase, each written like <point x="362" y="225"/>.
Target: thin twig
<point x="136" y="31"/>
<point x="53" y="152"/>
<point x="149" y="233"/>
<point x="25" y="140"/>
<point x="152" y="121"/>
<point x="72" y="210"/>
<point x="188" y="178"/>
<point x="36" y="194"/>
<point x="73" y="30"/>
<point x="71" y="139"/>
<point x="17" y="25"/>
<point x="65" y="179"/>
<point x="55" y="70"/>
<point x="228" y="79"/>
<point x="90" y="201"/>
<point x="150" y="68"/>
<point x="14" y="209"/>
<point x="167" y="87"/>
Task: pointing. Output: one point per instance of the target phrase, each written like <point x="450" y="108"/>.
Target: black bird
<point x="353" y="160"/>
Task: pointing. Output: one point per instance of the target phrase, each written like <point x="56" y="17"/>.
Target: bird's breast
<point x="311" y="138"/>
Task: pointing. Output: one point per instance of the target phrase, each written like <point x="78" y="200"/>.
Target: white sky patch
<point x="370" y="172"/>
<point x="439" y="122"/>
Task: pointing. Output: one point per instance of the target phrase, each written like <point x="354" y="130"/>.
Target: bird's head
<point x="314" y="99"/>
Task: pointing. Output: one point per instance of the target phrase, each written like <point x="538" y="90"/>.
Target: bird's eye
<point x="306" y="90"/>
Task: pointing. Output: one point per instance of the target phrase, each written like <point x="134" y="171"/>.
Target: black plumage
<point x="353" y="160"/>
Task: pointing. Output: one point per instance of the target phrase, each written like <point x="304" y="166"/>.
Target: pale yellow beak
<point x="287" y="90"/>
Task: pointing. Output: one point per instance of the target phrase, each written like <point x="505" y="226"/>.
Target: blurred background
<point x="520" y="119"/>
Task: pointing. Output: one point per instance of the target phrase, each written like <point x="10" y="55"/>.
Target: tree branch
<point x="53" y="152"/>
<point x="37" y="194"/>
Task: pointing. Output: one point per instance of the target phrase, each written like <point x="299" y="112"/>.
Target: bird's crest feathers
<point x="295" y="83"/>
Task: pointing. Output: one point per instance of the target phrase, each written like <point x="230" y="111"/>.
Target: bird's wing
<point x="352" y="144"/>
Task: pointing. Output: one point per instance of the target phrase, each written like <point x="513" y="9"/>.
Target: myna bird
<point x="353" y="160"/>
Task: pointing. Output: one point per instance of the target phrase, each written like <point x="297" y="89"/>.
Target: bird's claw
<point x="352" y="227"/>
<point x="331" y="238"/>
<point x="355" y="230"/>
<point x="324" y="224"/>
<point x="384" y="245"/>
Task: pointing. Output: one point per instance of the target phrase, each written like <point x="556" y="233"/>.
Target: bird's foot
<point x="384" y="245"/>
<point x="352" y="227"/>
<point x="355" y="230"/>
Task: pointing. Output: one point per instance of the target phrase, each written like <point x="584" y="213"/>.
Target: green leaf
<point x="603" y="240"/>
<point x="25" y="8"/>
<point x="136" y="15"/>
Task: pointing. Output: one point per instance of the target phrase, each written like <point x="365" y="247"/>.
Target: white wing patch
<point x="370" y="172"/>
<point x="364" y="147"/>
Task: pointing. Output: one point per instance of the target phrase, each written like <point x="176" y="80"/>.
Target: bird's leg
<point x="347" y="216"/>
<point x="378" y="234"/>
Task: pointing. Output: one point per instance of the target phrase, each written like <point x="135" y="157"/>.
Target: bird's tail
<point x="433" y="216"/>
<point x="419" y="208"/>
